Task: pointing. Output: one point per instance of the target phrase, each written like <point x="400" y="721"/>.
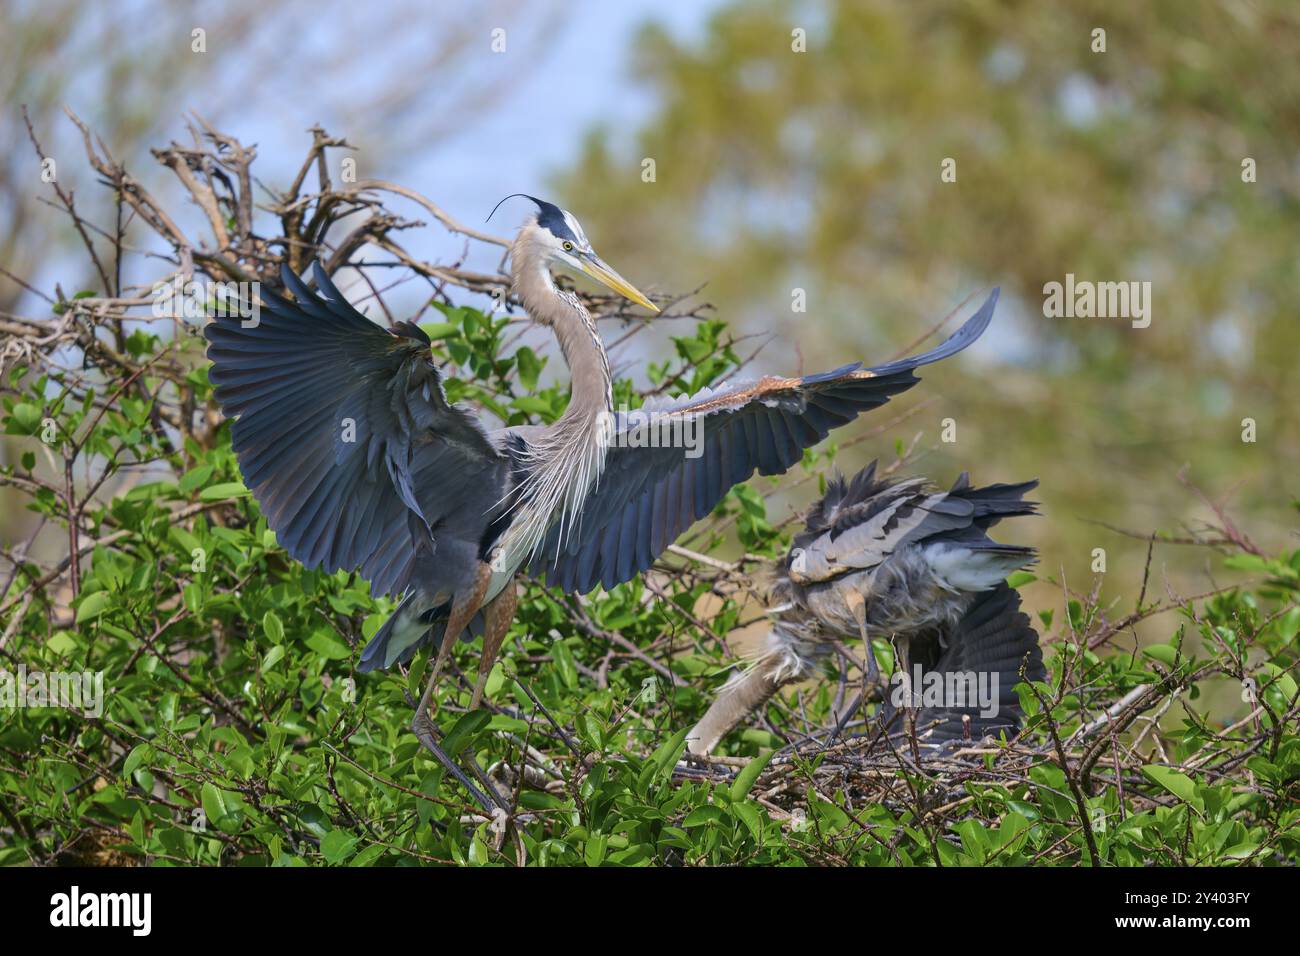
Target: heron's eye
<point x="567" y="246"/>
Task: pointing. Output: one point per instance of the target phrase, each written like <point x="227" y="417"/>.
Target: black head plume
<point x="549" y="216"/>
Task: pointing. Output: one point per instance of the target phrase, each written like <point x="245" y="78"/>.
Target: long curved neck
<point x="584" y="353"/>
<point x="566" y="459"/>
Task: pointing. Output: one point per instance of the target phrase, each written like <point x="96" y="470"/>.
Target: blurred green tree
<point x="776" y="169"/>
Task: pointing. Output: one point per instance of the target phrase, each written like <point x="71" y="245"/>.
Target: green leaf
<point x="1280" y="681"/>
<point x="225" y="810"/>
<point x="669" y="752"/>
<point x="273" y="657"/>
<point x="273" y="627"/>
<point x="563" y="658"/>
<point x="1246" y="562"/>
<point x="465" y="729"/>
<point x="439" y="330"/>
<point x="749" y="815"/>
<point x="744" y="781"/>
<point x="529" y="367"/>
<point x="194" y="478"/>
<point x="27" y="416"/>
<point x="229" y="489"/>
<point x="495" y="681"/>
<point x="1166" y="654"/>
<point x="192" y="595"/>
<point x="138" y="755"/>
<point x="369" y="855"/>
<point x="703" y="816"/>
<point x="62" y="643"/>
<point x="1179" y="784"/>
<point x="93" y="605"/>
<point x="1242" y="850"/>
<point x="532" y="405"/>
<point x="328" y="645"/>
<point x="337" y="846"/>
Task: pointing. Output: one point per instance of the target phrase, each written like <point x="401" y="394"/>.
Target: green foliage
<point x="235" y="730"/>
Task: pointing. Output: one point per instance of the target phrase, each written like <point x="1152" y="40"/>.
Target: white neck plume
<point x="567" y="459"/>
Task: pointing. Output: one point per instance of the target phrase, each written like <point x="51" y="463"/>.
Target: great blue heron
<point x="905" y="561"/>
<point x="346" y="439"/>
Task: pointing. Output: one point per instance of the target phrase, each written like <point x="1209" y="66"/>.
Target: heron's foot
<point x="427" y="733"/>
<point x="424" y="727"/>
<point x="497" y="795"/>
<point x="871" y="681"/>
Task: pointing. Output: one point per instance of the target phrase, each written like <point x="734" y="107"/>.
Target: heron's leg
<point x="463" y="608"/>
<point x="911" y="706"/>
<point x="424" y="732"/>
<point x="497" y="615"/>
<point x="858" y="608"/>
<point x="903" y="663"/>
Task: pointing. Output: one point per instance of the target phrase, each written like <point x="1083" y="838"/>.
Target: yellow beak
<point x="595" y="267"/>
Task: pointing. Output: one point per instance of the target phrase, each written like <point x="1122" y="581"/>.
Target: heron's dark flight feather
<point x="345" y="437"/>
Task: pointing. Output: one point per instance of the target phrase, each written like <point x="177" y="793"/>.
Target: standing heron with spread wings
<point x="346" y="439"/>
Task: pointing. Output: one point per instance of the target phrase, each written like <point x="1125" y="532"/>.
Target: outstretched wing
<point x="647" y="496"/>
<point x="344" y="434"/>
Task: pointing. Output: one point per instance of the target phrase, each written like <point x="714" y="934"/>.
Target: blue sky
<point x="565" y="69"/>
<point x="554" y="86"/>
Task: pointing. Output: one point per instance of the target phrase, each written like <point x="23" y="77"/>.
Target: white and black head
<point x="553" y="238"/>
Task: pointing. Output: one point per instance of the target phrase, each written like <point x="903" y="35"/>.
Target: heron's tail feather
<point x="397" y="638"/>
<point x="992" y="648"/>
<point x="995" y="502"/>
<point x="412" y="626"/>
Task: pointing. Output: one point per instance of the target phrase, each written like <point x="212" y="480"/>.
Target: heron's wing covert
<point x="647" y="496"/>
<point x="344" y="434"/>
<point x="860" y="523"/>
